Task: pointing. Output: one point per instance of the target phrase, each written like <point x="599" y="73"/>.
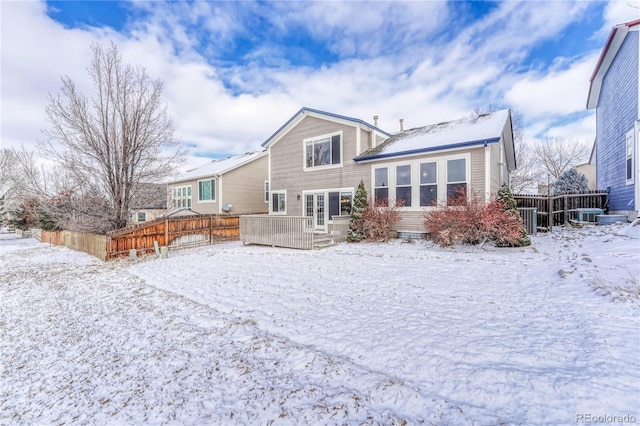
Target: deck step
<point x="323" y="242"/>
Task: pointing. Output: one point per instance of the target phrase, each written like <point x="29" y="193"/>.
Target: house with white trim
<point x="613" y="92"/>
<point x="237" y="184"/>
<point x="317" y="159"/>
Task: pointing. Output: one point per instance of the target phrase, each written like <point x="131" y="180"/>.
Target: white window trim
<point x="271" y="194"/>
<point x="629" y="139"/>
<point x="267" y="195"/>
<point x="411" y="180"/>
<point x="215" y="191"/>
<point x="327" y="166"/>
<point x="187" y="200"/>
<point x="441" y="180"/>
<point x="326" y="191"/>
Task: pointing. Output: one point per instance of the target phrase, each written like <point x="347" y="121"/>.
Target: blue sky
<point x="235" y="71"/>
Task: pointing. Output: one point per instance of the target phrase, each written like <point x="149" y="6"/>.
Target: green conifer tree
<point x="507" y="198"/>
<point x="360" y="204"/>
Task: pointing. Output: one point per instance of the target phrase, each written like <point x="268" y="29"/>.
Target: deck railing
<point x="277" y="231"/>
<point x="339" y="228"/>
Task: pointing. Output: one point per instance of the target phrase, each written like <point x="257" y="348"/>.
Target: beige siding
<point x="287" y="162"/>
<point x="477" y="171"/>
<point x="243" y="187"/>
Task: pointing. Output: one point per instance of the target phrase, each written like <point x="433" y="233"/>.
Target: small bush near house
<point x="470" y="220"/>
<point x="377" y="219"/>
<point x="360" y="204"/>
<point x="508" y="200"/>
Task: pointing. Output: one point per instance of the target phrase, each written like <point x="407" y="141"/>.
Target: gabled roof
<point x="469" y="131"/>
<point x="219" y="167"/>
<point x="304" y="112"/>
<point x="611" y="47"/>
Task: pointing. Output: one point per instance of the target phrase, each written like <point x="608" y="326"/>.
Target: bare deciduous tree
<point x="556" y="155"/>
<point x="119" y="138"/>
<point x="526" y="176"/>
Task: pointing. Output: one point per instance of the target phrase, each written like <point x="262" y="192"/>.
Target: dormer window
<point x="322" y="152"/>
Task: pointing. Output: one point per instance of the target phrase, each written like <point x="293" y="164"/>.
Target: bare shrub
<point x="470" y="220"/>
<point x="378" y="218"/>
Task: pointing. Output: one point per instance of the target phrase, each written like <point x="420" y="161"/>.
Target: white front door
<point x="315" y="205"/>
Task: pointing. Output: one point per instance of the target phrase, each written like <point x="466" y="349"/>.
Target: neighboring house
<point x="589" y="170"/>
<point x="148" y="202"/>
<point x="614" y="93"/>
<point x="317" y="159"/>
<point x="235" y="184"/>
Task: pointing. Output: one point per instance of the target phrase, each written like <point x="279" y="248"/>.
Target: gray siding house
<point x="317" y="159"/>
<point x="235" y="184"/>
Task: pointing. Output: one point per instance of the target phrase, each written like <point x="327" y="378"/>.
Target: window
<point x="181" y="197"/>
<point x="381" y="185"/>
<point x="456" y="178"/>
<point x="324" y="151"/>
<point x="428" y="184"/>
<point x="346" y="201"/>
<point x="142" y="217"/>
<point x="629" y="158"/>
<point x="279" y="202"/>
<point x="266" y="191"/>
<point x="207" y="190"/>
<point x="340" y="203"/>
<point x="403" y="185"/>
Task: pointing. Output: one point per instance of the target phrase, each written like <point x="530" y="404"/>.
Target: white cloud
<point x="559" y="92"/>
<point x="395" y="74"/>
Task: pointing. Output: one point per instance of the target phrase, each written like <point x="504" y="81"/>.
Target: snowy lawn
<point x="357" y="333"/>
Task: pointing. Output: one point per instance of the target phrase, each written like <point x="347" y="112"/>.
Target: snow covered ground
<point x="356" y="333"/>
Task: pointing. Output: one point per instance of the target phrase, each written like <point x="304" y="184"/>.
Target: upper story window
<point x="181" y="196"/>
<point x="323" y="151"/>
<point x="629" y="158"/>
<point x="266" y="191"/>
<point x="207" y="190"/>
<point x="456" y="178"/>
<point x="142" y="217"/>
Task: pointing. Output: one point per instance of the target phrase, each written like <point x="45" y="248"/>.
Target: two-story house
<point x="317" y="159"/>
<point x="614" y="92"/>
<point x="236" y="184"/>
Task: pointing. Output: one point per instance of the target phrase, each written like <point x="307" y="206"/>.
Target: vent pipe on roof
<point x="402" y="125"/>
<point x="375" y="120"/>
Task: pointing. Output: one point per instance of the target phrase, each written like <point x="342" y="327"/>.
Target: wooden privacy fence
<point x="554" y="210"/>
<point x="95" y="245"/>
<point x="176" y="232"/>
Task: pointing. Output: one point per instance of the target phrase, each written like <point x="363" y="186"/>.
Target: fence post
<point x="166" y="232"/>
<point x="550" y="212"/>
<point x="210" y="230"/>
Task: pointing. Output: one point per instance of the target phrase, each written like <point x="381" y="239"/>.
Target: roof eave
<point x="305" y="110"/>
<point x="611" y="47"/>
<point x="429" y="149"/>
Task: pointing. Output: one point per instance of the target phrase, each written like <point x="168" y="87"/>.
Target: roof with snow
<point x="218" y="167"/>
<point x="468" y="131"/>
<point x="304" y="111"/>
<point x="608" y="54"/>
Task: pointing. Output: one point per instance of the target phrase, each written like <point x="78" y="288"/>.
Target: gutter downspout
<point x="487" y="173"/>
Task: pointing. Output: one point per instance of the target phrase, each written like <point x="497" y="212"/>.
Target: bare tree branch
<point x="120" y="138"/>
